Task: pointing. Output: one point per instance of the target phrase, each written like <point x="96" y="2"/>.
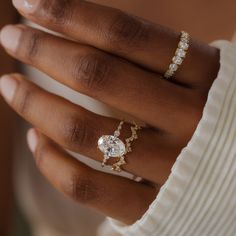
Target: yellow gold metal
<point x="134" y="136"/>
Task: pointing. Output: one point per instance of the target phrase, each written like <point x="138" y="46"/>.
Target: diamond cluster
<point x="180" y="55"/>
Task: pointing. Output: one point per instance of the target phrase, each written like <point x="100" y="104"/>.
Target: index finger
<point x="144" y="43"/>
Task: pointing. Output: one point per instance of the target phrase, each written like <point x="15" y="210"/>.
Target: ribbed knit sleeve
<point x="199" y="197"/>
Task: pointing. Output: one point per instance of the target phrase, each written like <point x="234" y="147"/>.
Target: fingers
<point x="78" y="130"/>
<point x="107" y="78"/>
<point x="105" y="193"/>
<point x="149" y="45"/>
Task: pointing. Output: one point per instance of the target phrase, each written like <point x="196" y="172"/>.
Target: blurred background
<point x="19" y="187"/>
<point x="12" y="221"/>
<point x="7" y="123"/>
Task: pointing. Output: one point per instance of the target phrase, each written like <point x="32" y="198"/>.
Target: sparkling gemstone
<point x="173" y="67"/>
<point x="185" y="40"/>
<point x="183" y="45"/>
<point x="117" y="133"/>
<point x="181" y="53"/>
<point x="111" y="146"/>
<point x="185" y="34"/>
<point x="177" y="60"/>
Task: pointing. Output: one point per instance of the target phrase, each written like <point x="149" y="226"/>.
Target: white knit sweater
<point x="199" y="197"/>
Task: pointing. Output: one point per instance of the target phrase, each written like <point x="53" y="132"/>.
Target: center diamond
<point x="111" y="146"/>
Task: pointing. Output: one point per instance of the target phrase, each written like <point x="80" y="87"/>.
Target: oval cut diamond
<point x="111" y="146"/>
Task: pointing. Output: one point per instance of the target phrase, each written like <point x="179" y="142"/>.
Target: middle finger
<point x="107" y="78"/>
<point x="149" y="45"/>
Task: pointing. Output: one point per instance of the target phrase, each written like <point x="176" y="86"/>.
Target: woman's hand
<point x="119" y="60"/>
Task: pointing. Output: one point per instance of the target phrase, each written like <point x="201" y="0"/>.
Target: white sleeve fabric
<point x="199" y="197"/>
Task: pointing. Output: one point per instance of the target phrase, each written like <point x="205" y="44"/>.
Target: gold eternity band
<point x="179" y="56"/>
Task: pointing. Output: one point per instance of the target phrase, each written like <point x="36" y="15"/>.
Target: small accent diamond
<point x="177" y="60"/>
<point x="117" y="133"/>
<point x="181" y="53"/>
<point x="184" y="36"/>
<point x="183" y="45"/>
<point x="185" y="40"/>
<point x="173" y="67"/>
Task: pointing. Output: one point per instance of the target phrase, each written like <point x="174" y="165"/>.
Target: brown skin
<point x="116" y="42"/>
<point x="205" y="20"/>
<point x="92" y="188"/>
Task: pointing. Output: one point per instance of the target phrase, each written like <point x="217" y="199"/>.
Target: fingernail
<point x="27" y="6"/>
<point x="10" y="36"/>
<point x="32" y="139"/>
<point x="8" y="86"/>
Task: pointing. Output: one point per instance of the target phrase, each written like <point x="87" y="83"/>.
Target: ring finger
<point x="78" y="130"/>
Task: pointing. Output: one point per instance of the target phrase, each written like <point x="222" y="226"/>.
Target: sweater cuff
<point x="189" y="200"/>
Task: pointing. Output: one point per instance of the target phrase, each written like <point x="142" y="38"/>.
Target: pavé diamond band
<point x="180" y="55"/>
<point x="113" y="147"/>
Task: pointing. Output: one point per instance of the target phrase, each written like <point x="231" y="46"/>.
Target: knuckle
<point x="23" y="101"/>
<point x="92" y="71"/>
<point x="58" y="12"/>
<point x="31" y="41"/>
<point x="126" y="30"/>
<point x="77" y="133"/>
<point x="82" y="189"/>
